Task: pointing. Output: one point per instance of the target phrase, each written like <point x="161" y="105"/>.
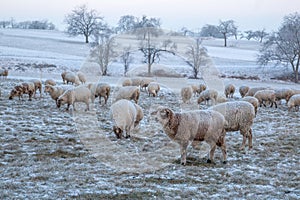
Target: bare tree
<point x="127" y="23"/>
<point x="82" y="21"/>
<point x="283" y="46"/>
<point x="227" y="28"/>
<point x="197" y="55"/>
<point x="126" y="58"/>
<point x="257" y="35"/>
<point x="210" y="31"/>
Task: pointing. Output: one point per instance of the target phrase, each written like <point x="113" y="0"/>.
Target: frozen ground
<point x="47" y="153"/>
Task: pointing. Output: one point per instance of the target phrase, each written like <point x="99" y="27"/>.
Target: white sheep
<point x="153" y="89"/>
<point x="127" y="82"/>
<point x="193" y="126"/>
<point x="77" y="94"/>
<point x="264" y="96"/>
<point x="129" y="93"/>
<point x="239" y="116"/>
<point x="99" y="90"/>
<point x="197" y="89"/>
<point x="294" y="102"/>
<point x="229" y="90"/>
<point x="206" y="95"/>
<point x="50" y="82"/>
<point x="283" y="93"/>
<point x="70" y="77"/>
<point x="253" y="101"/>
<point x="145" y="82"/>
<point x="56" y="91"/>
<point x="126" y="115"/>
<point x="81" y="76"/>
<point x="186" y="93"/>
<point x="37" y="86"/>
<point x="243" y="90"/>
<point x="253" y="90"/>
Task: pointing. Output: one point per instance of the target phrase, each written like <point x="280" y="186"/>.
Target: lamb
<point x="283" y="94"/>
<point x="23" y="88"/>
<point x="126" y="115"/>
<point x="206" y="95"/>
<point x="129" y="93"/>
<point x="4" y="73"/>
<point x="99" y="90"/>
<point x="70" y="77"/>
<point x="193" y="126"/>
<point x="153" y="89"/>
<point x="145" y="82"/>
<point x="253" y="101"/>
<point x="294" y="102"/>
<point x="229" y="90"/>
<point x="239" y="116"/>
<point x="266" y="96"/>
<point x="56" y="91"/>
<point x="81" y="76"/>
<point x="50" y="82"/>
<point x="71" y="96"/>
<point x="197" y="89"/>
<point x="186" y="93"/>
<point x="243" y="90"/>
<point x="252" y="91"/>
<point x="37" y="86"/>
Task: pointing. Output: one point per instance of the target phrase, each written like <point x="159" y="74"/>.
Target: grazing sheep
<point x="23" y="88"/>
<point x="229" y="90"/>
<point x="127" y="82"/>
<point x="99" y="90"/>
<point x="81" y="76"/>
<point x="253" y="101"/>
<point x="77" y="94"/>
<point x="4" y="73"/>
<point x="72" y="78"/>
<point x="266" y="96"/>
<point x="126" y="115"/>
<point x="206" y="95"/>
<point x="294" y="102"/>
<point x="193" y="126"/>
<point x="252" y="91"/>
<point x="153" y="89"/>
<point x="221" y="99"/>
<point x="145" y="82"/>
<point x="50" y="82"/>
<point x="56" y="91"/>
<point x="197" y="89"/>
<point x="63" y="76"/>
<point x="243" y="90"/>
<point x="37" y="86"/>
<point x="186" y="94"/>
<point x="136" y="81"/>
<point x="283" y="94"/>
<point x="129" y="93"/>
<point x="239" y="116"/>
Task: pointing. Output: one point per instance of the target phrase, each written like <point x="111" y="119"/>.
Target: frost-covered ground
<point x="47" y="153"/>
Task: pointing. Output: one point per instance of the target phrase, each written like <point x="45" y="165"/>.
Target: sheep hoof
<point x="208" y="161"/>
<point x="127" y="136"/>
<point x="224" y="162"/>
<point x="183" y="163"/>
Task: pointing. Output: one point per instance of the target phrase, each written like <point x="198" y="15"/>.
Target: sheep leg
<point x="244" y="141"/>
<point x="183" y="153"/>
<point x="212" y="153"/>
<point x="250" y="139"/>
<point x="74" y="106"/>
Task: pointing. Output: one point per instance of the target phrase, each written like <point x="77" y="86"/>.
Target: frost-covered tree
<point x="227" y="28"/>
<point x="210" y="31"/>
<point x="283" y="46"/>
<point x="126" y="58"/>
<point x="127" y="23"/>
<point x="82" y="21"/>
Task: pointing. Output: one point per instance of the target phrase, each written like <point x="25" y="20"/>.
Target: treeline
<point x="34" y="24"/>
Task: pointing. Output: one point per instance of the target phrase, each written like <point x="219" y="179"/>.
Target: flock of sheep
<point x="185" y="128"/>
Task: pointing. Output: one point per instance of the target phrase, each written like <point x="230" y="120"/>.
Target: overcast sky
<point x="174" y="14"/>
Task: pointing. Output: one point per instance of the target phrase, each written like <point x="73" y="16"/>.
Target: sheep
<point x="70" y="77"/>
<point x="4" y="73"/>
<point x="71" y="96"/>
<point x="129" y="93"/>
<point x="206" y="95"/>
<point x="63" y="76"/>
<point x="126" y="115"/>
<point x="81" y="76"/>
<point x="243" y="90"/>
<point x="153" y="89"/>
<point x="283" y="94"/>
<point x="294" y="102"/>
<point x="253" y="101"/>
<point x="193" y="126"/>
<point x="37" y="86"/>
<point x="50" y="82"/>
<point x="23" y="88"/>
<point x="186" y="93"/>
<point x="266" y="96"/>
<point x="229" y="90"/>
<point x="127" y="82"/>
<point x="136" y="81"/>
<point x="56" y="91"/>
<point x="252" y="91"/>
<point x="197" y="89"/>
<point x="145" y="82"/>
<point x="99" y="90"/>
<point x="239" y="116"/>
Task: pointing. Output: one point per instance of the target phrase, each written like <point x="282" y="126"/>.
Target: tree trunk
<point x="149" y="69"/>
<point x="225" y="40"/>
<point x="86" y="39"/>
<point x="296" y="76"/>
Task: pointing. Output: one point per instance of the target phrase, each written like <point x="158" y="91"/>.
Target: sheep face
<point x="61" y="101"/>
<point x="163" y="115"/>
<point x="118" y="132"/>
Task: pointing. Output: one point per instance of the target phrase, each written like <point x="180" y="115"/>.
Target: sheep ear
<point x="166" y="113"/>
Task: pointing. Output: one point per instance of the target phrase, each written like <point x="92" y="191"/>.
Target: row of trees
<point x="282" y="46"/>
<point x="34" y="24"/>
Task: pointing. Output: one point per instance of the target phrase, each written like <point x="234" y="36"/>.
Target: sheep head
<point x="118" y="131"/>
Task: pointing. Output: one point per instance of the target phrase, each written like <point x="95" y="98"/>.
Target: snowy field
<point x="49" y="153"/>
